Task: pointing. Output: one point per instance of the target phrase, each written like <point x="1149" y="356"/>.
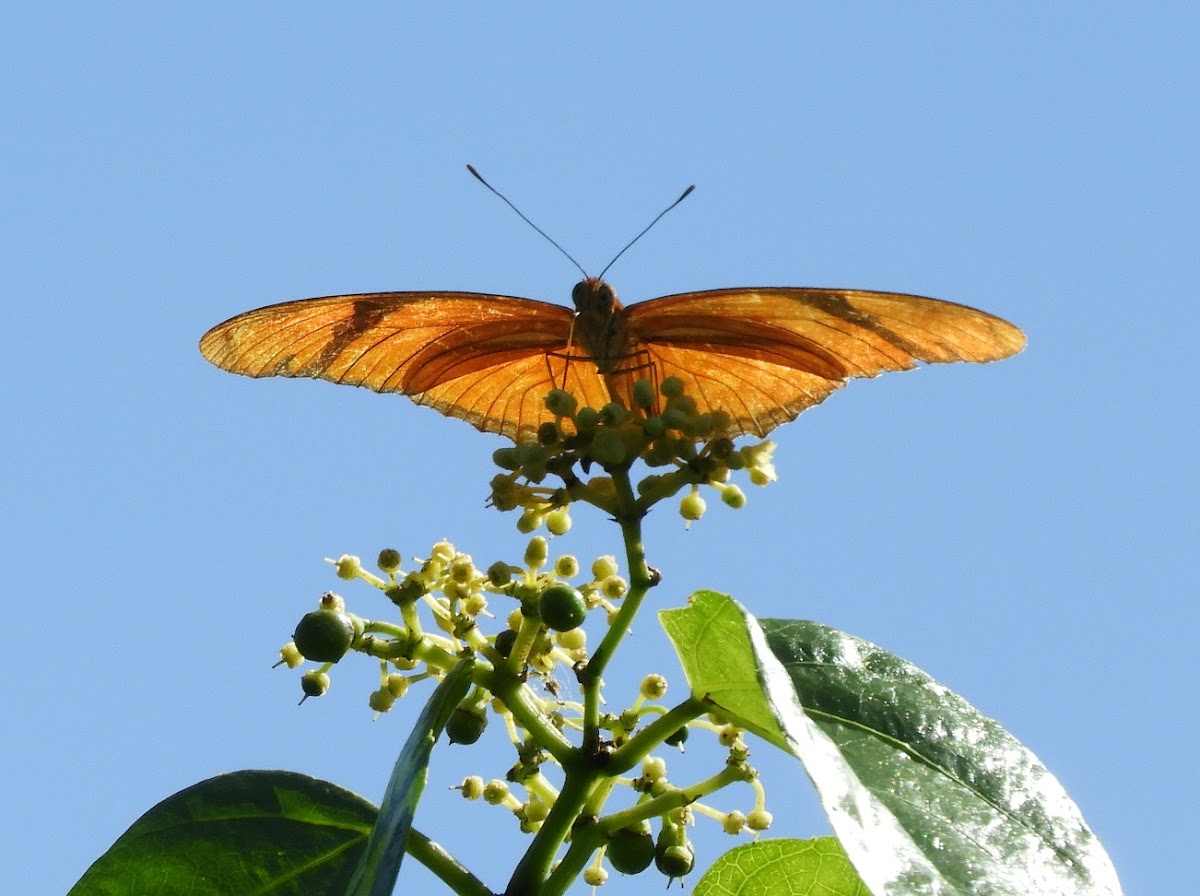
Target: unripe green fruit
<point x="676" y="860"/>
<point x="678" y="738"/>
<point x="314" y="683"/>
<point x="631" y="850"/>
<point x="324" y="636"/>
<point x="505" y="641"/>
<point x="465" y="725"/>
<point x="562" y="607"/>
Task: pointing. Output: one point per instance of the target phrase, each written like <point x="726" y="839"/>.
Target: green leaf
<point x="380" y="864"/>
<point x="783" y="868"/>
<point x="926" y="794"/>
<point x="248" y="832"/>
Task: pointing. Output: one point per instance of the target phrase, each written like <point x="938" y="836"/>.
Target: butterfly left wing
<point x="764" y="355"/>
<point x="479" y="358"/>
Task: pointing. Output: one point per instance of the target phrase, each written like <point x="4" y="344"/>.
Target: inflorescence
<point x="546" y="604"/>
<point x="693" y="448"/>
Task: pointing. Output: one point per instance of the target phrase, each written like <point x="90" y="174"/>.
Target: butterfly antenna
<point x="479" y="177"/>
<point x="682" y="197"/>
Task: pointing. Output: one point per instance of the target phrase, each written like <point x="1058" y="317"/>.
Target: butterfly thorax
<point x="600" y="326"/>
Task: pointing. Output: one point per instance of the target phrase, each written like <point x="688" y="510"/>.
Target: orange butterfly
<point x="761" y="355"/>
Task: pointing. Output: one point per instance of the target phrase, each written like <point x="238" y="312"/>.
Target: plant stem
<point x="639" y="746"/>
<point x="532" y="870"/>
<point x="434" y="857"/>
<point x="630" y="519"/>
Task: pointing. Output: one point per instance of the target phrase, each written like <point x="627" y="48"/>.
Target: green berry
<point x="314" y="683"/>
<point x="674" y="861"/>
<point x="631" y="850"/>
<point x="562" y="607"/>
<point x="678" y="738"/>
<point x="324" y="636"/>
<point x="465" y="725"/>
<point x="643" y="393"/>
<point x="505" y="641"/>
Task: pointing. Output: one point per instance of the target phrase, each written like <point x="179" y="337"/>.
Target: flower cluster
<point x="571" y="755"/>
<point x="456" y="594"/>
<point x="693" y="447"/>
<point x="543" y="632"/>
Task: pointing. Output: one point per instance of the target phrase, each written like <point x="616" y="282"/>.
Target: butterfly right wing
<point x="478" y="358"/>
<point x="763" y="355"/>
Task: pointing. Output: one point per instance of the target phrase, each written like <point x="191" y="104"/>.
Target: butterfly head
<point x="592" y="296"/>
<point x="599" y="322"/>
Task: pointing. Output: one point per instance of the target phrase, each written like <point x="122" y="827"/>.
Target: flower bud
<point x="594" y="876"/>
<point x="692" y="507"/>
<point x="613" y="414"/>
<point x="507" y="458"/>
<point x="566" y="567"/>
<point x="529" y="521"/>
<point x="572" y="639"/>
<point x="495" y="792"/>
<point x="643" y="393"/>
<point x="471" y="787"/>
<point x="290" y="655"/>
<point x="613" y="587"/>
<point x="733" y="822"/>
<point x="608" y="447"/>
<point x="587" y="419"/>
<point x="604" y="566"/>
<point x="653" y="687"/>
<point x="499" y="574"/>
<point x="389" y="560"/>
<point x="654" y="768"/>
<point x="397" y="685"/>
<point x="348" y="566"/>
<point x="671" y="387"/>
<point x="536" y="552"/>
<point x="560" y="403"/>
<point x="733" y="496"/>
<point x="558" y="521"/>
<point x="759" y="820"/>
<point x="381" y="700"/>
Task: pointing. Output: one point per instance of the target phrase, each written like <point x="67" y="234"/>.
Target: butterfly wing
<point x="479" y="358"/>
<point x="764" y="355"/>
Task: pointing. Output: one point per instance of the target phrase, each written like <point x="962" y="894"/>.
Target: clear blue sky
<point x="1024" y="531"/>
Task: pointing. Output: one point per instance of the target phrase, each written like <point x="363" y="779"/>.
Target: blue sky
<point x="1024" y="531"/>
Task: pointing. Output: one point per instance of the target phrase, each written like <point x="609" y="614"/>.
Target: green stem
<point x="584" y="843"/>
<point x="640" y="580"/>
<point x="452" y="873"/>
<point x="639" y="746"/>
<point x="516" y="696"/>
<point x="532" y="870"/>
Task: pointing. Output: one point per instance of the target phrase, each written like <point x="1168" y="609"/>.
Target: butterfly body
<point x="761" y="355"/>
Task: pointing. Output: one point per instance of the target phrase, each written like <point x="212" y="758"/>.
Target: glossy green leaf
<point x="783" y="868"/>
<point x="380" y="864"/>
<point x="246" y="832"/>
<point x="926" y="794"/>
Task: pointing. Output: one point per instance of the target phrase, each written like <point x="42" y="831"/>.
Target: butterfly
<point x="760" y="355"/>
